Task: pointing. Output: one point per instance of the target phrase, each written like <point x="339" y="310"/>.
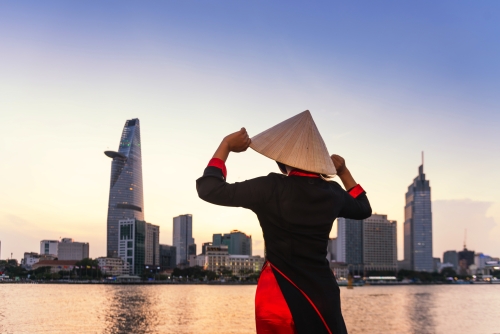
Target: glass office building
<point x="350" y="241"/>
<point x="125" y="192"/>
<point x="132" y="243"/>
<point x="238" y="243"/>
<point x="418" y="224"/>
<point x="183" y="238"/>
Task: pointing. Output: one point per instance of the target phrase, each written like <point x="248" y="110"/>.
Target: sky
<point x="383" y="80"/>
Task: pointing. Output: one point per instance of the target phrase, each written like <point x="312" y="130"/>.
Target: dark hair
<point x="282" y="167"/>
<point x="325" y="177"/>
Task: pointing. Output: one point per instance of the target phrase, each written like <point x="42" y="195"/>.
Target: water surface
<point x="47" y="308"/>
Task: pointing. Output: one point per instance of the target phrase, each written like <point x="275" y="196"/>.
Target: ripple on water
<point x="45" y="308"/>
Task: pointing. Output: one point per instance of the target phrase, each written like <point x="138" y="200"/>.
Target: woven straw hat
<point x="297" y="143"/>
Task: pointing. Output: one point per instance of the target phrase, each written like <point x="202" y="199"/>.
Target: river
<point x="60" y="308"/>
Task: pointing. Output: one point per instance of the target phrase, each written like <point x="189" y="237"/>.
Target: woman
<point x="297" y="291"/>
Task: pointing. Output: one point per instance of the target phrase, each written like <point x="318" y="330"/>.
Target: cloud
<point x="452" y="217"/>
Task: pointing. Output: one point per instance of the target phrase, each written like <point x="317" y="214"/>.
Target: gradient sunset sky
<point x="383" y="80"/>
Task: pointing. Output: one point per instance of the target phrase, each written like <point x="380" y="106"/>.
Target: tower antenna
<point x="422" y="158"/>
<point x="465" y="239"/>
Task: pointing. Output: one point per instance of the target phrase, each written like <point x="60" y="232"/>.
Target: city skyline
<point x="383" y="82"/>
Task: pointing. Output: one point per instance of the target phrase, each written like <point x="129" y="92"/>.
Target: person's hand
<point x="339" y="164"/>
<point x="237" y="141"/>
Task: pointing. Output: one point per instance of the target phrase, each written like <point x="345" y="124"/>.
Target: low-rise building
<point x="30" y="258"/>
<point x="243" y="265"/>
<point x="167" y="257"/>
<point x="217" y="259"/>
<point x="113" y="266"/>
<point x="340" y="270"/>
<point x="443" y="266"/>
<point x="55" y="265"/>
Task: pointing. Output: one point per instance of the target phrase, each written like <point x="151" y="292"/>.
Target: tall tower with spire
<point x="125" y="190"/>
<point x="418" y="224"/>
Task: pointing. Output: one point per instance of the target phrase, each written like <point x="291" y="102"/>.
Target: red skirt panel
<point x="272" y="314"/>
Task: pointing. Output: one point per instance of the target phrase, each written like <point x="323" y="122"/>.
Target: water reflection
<point x="420" y="310"/>
<point x="129" y="309"/>
<point x="186" y="309"/>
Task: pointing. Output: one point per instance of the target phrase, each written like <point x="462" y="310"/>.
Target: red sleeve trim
<point x="356" y="191"/>
<point x="216" y="162"/>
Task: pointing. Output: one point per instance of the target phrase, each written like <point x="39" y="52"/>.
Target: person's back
<point x="297" y="292"/>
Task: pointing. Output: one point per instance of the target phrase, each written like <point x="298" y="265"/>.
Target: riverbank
<point x="341" y="284"/>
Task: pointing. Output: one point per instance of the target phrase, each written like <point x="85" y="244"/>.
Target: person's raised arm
<point x="343" y="173"/>
<point x="356" y="205"/>
<point x="235" y="142"/>
<point x="212" y="186"/>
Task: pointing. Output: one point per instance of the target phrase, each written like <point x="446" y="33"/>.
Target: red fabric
<point x="304" y="294"/>
<point x="356" y="191"/>
<point x="272" y="314"/>
<point x="299" y="172"/>
<point x="216" y="162"/>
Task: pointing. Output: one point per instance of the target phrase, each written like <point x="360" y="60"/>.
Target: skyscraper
<point x="183" y="238"/>
<point x="125" y="192"/>
<point x="418" y="224"/>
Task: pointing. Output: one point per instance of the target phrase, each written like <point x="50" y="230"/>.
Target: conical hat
<point x="297" y="143"/>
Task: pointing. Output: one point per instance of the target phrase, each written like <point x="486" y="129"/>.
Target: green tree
<point x="448" y="272"/>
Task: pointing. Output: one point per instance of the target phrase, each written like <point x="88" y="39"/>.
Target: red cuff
<point x="356" y="191"/>
<point x="216" y="162"/>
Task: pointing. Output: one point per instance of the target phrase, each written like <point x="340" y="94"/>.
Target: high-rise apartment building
<point x="49" y="247"/>
<point x="125" y="192"/>
<point x="238" y="243"/>
<point x="418" y="225"/>
<point x="152" y="244"/>
<point x="379" y="244"/>
<point x="350" y="241"/>
<point x="466" y="255"/>
<point x="331" y="250"/>
<point x="452" y="258"/>
<point x="367" y="245"/>
<point x="134" y="245"/>
<point x="183" y="238"/>
<point x="71" y="250"/>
